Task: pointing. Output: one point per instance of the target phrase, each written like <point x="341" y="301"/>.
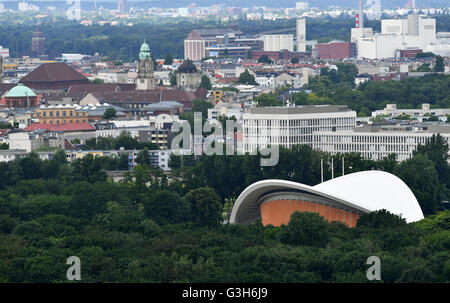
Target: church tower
<point x="146" y="78"/>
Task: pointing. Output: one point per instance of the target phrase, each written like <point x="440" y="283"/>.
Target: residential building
<point x="30" y="141"/>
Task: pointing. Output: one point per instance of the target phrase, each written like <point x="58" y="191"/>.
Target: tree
<point x="109" y="113"/>
<point x="173" y="79"/>
<point x="247" y="78"/>
<point x="123" y="162"/>
<point x="380" y="219"/>
<point x="205" y="82"/>
<point x="174" y="161"/>
<point x="439" y="65"/>
<point x="425" y="55"/>
<point x="166" y="207"/>
<point x="264" y="59"/>
<point x="206" y="207"/>
<point x="143" y="157"/>
<point x="4" y="146"/>
<point x="31" y="166"/>
<point x="436" y="148"/>
<point x="425" y="67"/>
<point x="199" y="105"/>
<point x="294" y="60"/>
<point x="168" y="60"/>
<point x="305" y="228"/>
<point x="425" y="185"/>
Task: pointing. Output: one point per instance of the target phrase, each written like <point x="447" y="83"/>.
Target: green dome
<point x="145" y="51"/>
<point x="20" y="91"/>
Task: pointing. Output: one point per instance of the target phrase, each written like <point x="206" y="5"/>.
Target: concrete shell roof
<point x="365" y="191"/>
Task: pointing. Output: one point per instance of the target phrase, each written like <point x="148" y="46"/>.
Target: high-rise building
<point x="199" y="39"/>
<point x="301" y="35"/>
<point x="146" y="78"/>
<point x="38" y="42"/>
<point x="122" y="7"/>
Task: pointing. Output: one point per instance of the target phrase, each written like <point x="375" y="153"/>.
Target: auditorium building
<point x="343" y="199"/>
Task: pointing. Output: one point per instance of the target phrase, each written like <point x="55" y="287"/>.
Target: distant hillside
<point x="290" y="3"/>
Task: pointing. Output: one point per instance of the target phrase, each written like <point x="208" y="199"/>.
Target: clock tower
<point x="146" y="78"/>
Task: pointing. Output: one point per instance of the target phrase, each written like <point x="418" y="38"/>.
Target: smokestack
<point x="361" y="14"/>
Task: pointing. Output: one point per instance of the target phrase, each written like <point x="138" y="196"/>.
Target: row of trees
<point x="122" y="42"/>
<point x="122" y="234"/>
<point x="302" y="164"/>
<point x="124" y="140"/>
<point x="155" y="228"/>
<point x="337" y="87"/>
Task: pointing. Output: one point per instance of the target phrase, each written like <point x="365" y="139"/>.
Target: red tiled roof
<point x="3" y="132"/>
<point x="69" y="127"/>
<point x="53" y="72"/>
<point x="100" y="87"/>
<point x="201" y="93"/>
<point x="147" y="96"/>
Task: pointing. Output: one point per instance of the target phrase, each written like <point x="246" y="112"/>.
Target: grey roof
<point x="305" y="109"/>
<point x="163" y="104"/>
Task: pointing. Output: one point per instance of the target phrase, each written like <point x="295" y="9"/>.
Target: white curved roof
<point x="365" y="191"/>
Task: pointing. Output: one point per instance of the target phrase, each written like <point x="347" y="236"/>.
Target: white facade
<point x="276" y="43"/>
<point x="266" y="81"/>
<point x="396" y="34"/>
<point x="392" y="111"/>
<point x="301" y="5"/>
<point x="301" y="35"/>
<point x="289" y="126"/>
<point x="372" y="145"/>
<point x="194" y="50"/>
<point x="4" y="52"/>
<point x="364" y="191"/>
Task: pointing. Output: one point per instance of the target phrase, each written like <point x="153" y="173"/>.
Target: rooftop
<point x="305" y="109"/>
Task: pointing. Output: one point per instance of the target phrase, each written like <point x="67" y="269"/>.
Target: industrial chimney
<point x="361" y="14"/>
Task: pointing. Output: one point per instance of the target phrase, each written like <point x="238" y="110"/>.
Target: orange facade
<point x="278" y="212"/>
<point x="61" y="116"/>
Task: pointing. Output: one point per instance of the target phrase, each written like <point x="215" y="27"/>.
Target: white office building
<point x="391" y="111"/>
<point x="289" y="126"/>
<point x="377" y="142"/>
<point x="276" y="43"/>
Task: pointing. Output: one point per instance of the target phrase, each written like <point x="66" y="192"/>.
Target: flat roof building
<point x="289" y="126"/>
